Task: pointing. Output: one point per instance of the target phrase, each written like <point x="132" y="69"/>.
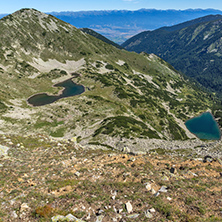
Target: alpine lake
<point x="70" y="89"/>
<point x="204" y="127"/>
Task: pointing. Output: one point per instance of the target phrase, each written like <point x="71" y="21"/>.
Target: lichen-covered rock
<point x="129" y="207"/>
<point x="99" y="218"/>
<point x="148" y="214"/>
<point x="3" y="150"/>
<point x="132" y="216"/>
<point x="24" y="207"/>
<point x="68" y="217"/>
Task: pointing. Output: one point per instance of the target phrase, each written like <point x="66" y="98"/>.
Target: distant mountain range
<point x="119" y="25"/>
<point x="194" y="48"/>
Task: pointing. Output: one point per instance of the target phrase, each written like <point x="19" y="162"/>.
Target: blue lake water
<point x="204" y="127"/>
<point x="70" y="89"/>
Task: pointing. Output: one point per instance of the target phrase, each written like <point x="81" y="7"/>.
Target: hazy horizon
<point x="48" y="12"/>
<point x="11" y="6"/>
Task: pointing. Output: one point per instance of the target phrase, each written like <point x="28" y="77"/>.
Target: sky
<point x="10" y="6"/>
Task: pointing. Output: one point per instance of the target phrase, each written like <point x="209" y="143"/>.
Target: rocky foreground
<point x="44" y="179"/>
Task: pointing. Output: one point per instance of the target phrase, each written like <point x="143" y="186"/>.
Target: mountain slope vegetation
<point x="130" y="100"/>
<point x="194" y="48"/>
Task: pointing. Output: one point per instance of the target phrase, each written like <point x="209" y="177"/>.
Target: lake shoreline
<point x="194" y="126"/>
<point x="60" y="93"/>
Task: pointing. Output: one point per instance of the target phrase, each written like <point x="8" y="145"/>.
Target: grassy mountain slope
<point x="194" y="49"/>
<point x="129" y="98"/>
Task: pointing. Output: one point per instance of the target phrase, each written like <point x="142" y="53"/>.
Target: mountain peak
<point x="25" y="13"/>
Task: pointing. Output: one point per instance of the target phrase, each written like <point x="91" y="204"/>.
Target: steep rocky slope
<point x="130" y="100"/>
<point x="193" y="47"/>
<point x="44" y="180"/>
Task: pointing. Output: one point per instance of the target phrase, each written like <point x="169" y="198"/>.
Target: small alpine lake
<point x="204" y="126"/>
<point x="70" y="89"/>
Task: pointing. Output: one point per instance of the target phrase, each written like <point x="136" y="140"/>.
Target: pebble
<point x="173" y="170"/>
<point x="194" y="174"/>
<point x="148" y="186"/>
<point x="77" y="173"/>
<point x="113" y="193"/>
<point x="133" y="216"/>
<point x="148" y="214"/>
<point x="163" y="189"/>
<point x="14" y="215"/>
<point x="24" y="207"/>
<point x="88" y="217"/>
<point x="69" y="217"/>
<point x="165" y="178"/>
<point x="152" y="210"/>
<point x="58" y="218"/>
<point x="157" y="194"/>
<point x="100" y="211"/>
<point x="132" y="159"/>
<point x="198" y="159"/>
<point x="129" y="207"/>
<point x="169" y="198"/>
<point x="99" y="218"/>
<point x="3" y="150"/>
<point x="120" y="211"/>
<point x="153" y="191"/>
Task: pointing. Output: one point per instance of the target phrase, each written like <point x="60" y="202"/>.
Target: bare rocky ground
<point x="44" y="179"/>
